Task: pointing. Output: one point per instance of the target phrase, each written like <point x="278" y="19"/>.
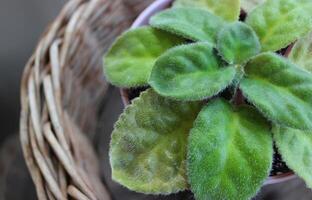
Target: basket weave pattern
<point x="61" y="91"/>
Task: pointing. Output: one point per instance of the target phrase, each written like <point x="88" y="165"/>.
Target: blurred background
<point x="21" y="24"/>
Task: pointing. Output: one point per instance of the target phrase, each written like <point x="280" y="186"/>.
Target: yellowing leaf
<point x="148" y="146"/>
<point x="280" y="22"/>
<point x="227" y="9"/>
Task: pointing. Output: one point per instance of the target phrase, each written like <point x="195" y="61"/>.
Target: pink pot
<point x="142" y="20"/>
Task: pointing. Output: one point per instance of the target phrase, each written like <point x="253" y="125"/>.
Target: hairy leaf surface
<point x="229" y="10"/>
<point x="237" y="43"/>
<point x="229" y="152"/>
<point x="249" y="5"/>
<point x="301" y="53"/>
<point x="191" y="23"/>
<point x="148" y="146"/>
<point x="295" y="147"/>
<point x="130" y="60"/>
<point x="280" y="22"/>
<point x="280" y="90"/>
<point x="190" y="72"/>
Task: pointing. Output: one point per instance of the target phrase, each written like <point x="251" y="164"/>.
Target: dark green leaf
<point x="229" y="152"/>
<point x="191" y="23"/>
<point x="190" y="72"/>
<point x="237" y="43"/>
<point x="148" y="146"/>
<point x="280" y="22"/>
<point x="280" y="90"/>
<point x="130" y="60"/>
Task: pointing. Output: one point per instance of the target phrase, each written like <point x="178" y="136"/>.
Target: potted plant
<point x="219" y="92"/>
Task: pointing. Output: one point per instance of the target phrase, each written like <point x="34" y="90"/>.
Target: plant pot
<point x="128" y="94"/>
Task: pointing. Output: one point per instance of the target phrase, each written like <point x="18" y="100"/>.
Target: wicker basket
<point x="61" y="91"/>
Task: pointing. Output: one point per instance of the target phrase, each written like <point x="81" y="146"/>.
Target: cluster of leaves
<point x="181" y="132"/>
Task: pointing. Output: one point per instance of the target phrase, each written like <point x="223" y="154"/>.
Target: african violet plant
<point x="183" y="133"/>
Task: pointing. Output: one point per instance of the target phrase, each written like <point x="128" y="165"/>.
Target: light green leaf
<point x="280" y="22"/>
<point x="148" y="146"/>
<point x="227" y="9"/>
<point x="190" y="72"/>
<point x="237" y="43"/>
<point x="130" y="60"/>
<point x="191" y="23"/>
<point x="280" y="90"/>
<point x="249" y="5"/>
<point x="229" y="152"/>
<point x="301" y="53"/>
<point x="295" y="147"/>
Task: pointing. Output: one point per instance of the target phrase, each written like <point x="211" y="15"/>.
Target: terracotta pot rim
<point x="142" y="19"/>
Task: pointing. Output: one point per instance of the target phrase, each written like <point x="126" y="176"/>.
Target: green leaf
<point x="191" y="23"/>
<point x="295" y="147"/>
<point x="249" y="5"/>
<point x="280" y="90"/>
<point x="190" y="72"/>
<point x="229" y="152"/>
<point x="130" y="60"/>
<point x="301" y="53"/>
<point x="229" y="10"/>
<point x="280" y="22"/>
<point x="148" y="146"/>
<point x="237" y="43"/>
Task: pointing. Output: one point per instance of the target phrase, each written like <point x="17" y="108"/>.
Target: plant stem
<point x="238" y="98"/>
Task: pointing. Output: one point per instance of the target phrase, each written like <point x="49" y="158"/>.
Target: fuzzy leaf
<point x="295" y="147"/>
<point x="249" y="5"/>
<point x="191" y="23"/>
<point x="130" y="60"/>
<point x="229" y="152"/>
<point x="229" y="10"/>
<point x="237" y="43"/>
<point x="190" y="72"/>
<point x="148" y="146"/>
<point x="280" y="90"/>
<point x="280" y="22"/>
<point x="301" y="53"/>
